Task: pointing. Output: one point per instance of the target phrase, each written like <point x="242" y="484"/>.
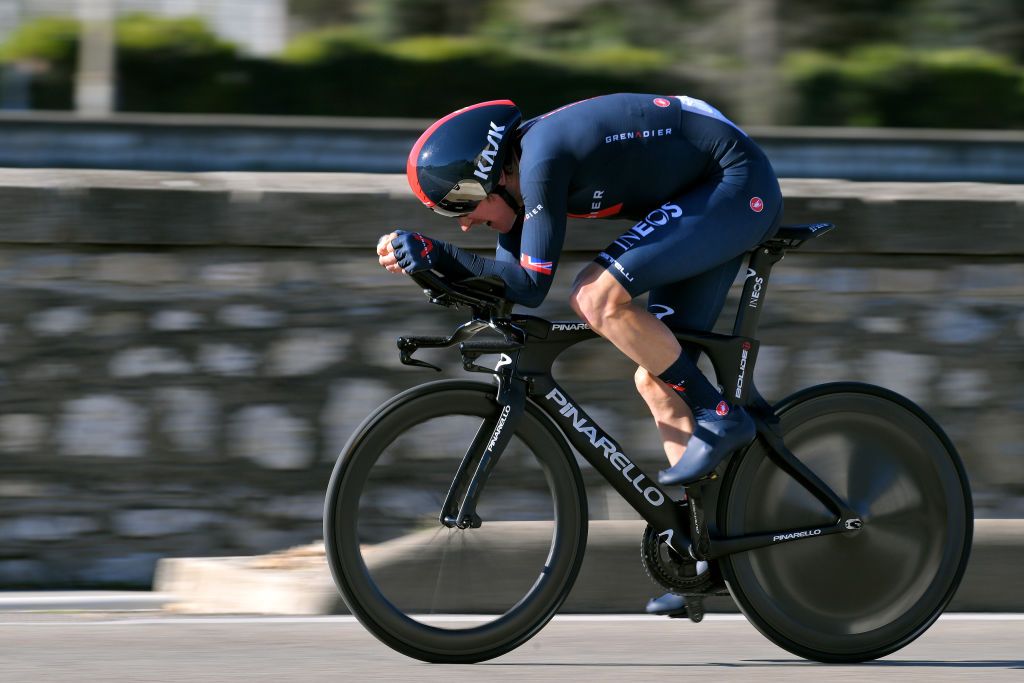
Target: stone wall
<point x="183" y="355"/>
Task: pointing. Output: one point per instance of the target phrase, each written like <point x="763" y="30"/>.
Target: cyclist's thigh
<point x="694" y="303"/>
<point x="710" y="225"/>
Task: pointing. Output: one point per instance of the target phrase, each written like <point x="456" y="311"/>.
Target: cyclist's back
<point x="636" y="150"/>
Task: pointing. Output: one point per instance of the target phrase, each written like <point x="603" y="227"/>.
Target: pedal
<point x="695" y="608"/>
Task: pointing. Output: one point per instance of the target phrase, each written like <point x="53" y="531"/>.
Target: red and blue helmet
<point x="457" y="162"/>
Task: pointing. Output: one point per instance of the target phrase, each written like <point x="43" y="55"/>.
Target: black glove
<point x="416" y="252"/>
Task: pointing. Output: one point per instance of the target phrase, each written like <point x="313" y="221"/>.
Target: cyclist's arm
<point x="508" y="243"/>
<point x="528" y="273"/>
<point x="459" y="264"/>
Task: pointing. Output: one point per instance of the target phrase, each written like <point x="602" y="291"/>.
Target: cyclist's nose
<point x="472" y="223"/>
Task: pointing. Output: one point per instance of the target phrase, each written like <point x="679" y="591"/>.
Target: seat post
<point x="755" y="287"/>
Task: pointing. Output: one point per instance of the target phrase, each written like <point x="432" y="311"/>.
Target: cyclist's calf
<point x="671" y="415"/>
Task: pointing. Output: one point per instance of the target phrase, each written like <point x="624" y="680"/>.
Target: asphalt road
<point x="118" y="647"/>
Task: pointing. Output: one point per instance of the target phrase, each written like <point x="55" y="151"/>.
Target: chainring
<point x="669" y="569"/>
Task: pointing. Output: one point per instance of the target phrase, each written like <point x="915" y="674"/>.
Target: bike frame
<point x="530" y="348"/>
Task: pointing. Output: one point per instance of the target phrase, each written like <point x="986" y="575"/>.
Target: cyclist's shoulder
<point x="545" y="145"/>
<point x="568" y="131"/>
<point x="572" y="114"/>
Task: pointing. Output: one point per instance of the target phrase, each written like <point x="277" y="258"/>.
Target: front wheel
<point x="859" y="595"/>
<point x="453" y="595"/>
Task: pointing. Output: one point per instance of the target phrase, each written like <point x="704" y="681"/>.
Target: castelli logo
<point x="722" y="408"/>
<point x="661" y="101"/>
<point x="756" y="205"/>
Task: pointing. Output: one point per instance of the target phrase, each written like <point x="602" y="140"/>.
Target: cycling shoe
<point x="710" y="444"/>
<point x="669" y="605"/>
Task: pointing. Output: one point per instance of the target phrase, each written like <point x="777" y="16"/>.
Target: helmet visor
<point x="461" y="199"/>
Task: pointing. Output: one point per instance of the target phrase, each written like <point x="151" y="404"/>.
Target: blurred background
<point x="925" y="63"/>
<point x="193" y="320"/>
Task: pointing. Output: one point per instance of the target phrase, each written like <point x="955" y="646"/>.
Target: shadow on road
<point x="964" y="664"/>
<point x="749" y="663"/>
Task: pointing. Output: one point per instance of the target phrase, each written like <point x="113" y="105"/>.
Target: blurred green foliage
<point x="890" y="85"/>
<point x="173" y="38"/>
<point x="49" y="39"/>
<point x="48" y="47"/>
<point x="177" y="65"/>
<point x="338" y="71"/>
<point x="422" y="57"/>
<point x="332" y="43"/>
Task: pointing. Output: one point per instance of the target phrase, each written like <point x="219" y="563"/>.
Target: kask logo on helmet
<point x="485" y="161"/>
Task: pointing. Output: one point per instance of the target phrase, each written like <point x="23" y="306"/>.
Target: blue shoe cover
<point x="710" y="444"/>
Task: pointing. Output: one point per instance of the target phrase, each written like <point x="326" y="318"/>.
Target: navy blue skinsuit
<point x="701" y="191"/>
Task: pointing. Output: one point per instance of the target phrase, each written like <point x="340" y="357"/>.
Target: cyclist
<point x="702" y="194"/>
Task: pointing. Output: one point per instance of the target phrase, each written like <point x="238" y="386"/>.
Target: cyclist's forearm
<point x="456" y="263"/>
<point x="520" y="286"/>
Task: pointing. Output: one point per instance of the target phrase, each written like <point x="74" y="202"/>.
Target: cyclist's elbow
<point x="531" y="299"/>
<point x="530" y="291"/>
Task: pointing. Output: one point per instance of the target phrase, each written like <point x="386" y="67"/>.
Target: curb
<point x="86" y="601"/>
<point x="610" y="581"/>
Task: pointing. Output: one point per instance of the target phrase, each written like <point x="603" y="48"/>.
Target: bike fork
<point x="459" y="509"/>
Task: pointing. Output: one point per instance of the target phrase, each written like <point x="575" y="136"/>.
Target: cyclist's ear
<point x="510" y="168"/>
<point x="510" y="179"/>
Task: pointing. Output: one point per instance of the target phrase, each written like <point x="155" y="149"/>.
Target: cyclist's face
<point x="492" y="212"/>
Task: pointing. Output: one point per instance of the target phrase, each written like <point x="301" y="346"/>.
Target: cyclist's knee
<point x="584" y="304"/>
<point x="595" y="298"/>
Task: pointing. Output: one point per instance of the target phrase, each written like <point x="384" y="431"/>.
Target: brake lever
<point x="419" y="363"/>
<point x="406" y="348"/>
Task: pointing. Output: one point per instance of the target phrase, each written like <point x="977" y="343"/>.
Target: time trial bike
<point x="841" y="532"/>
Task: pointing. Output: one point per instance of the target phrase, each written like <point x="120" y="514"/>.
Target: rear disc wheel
<point x="859" y="595"/>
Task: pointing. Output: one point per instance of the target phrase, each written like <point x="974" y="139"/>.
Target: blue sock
<point x="707" y="404"/>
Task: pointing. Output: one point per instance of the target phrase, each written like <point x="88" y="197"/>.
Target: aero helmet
<point x="457" y="162"/>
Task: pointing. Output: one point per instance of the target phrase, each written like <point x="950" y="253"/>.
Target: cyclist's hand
<point x="386" y="253"/>
<point x="414" y="251"/>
